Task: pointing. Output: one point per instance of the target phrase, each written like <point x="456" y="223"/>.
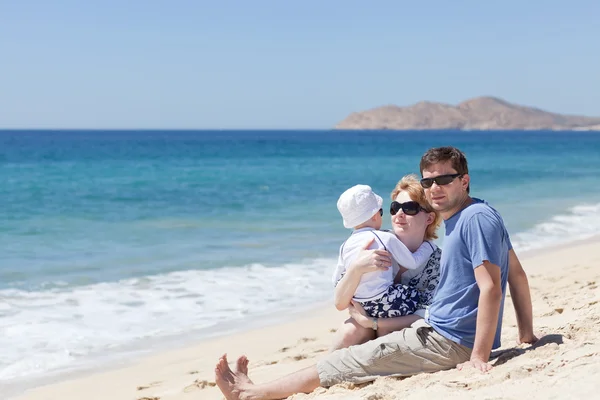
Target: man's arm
<point x="488" y="279"/>
<point x="485" y="238"/>
<point x="519" y="290"/>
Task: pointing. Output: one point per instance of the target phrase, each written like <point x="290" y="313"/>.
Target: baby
<point x="361" y="210"/>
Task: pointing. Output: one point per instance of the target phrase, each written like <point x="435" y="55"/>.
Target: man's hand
<point x="529" y="338"/>
<point x="475" y="363"/>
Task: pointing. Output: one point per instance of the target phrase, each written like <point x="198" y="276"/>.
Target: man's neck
<point x="462" y="205"/>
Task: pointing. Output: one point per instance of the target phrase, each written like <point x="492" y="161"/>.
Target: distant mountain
<point x="481" y="113"/>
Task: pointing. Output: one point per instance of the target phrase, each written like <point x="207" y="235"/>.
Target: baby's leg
<point x="350" y="334"/>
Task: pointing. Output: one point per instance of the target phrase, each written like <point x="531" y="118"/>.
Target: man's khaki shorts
<point x="410" y="351"/>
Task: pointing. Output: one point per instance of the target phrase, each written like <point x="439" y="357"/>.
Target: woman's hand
<point x="370" y="260"/>
<point x="358" y="313"/>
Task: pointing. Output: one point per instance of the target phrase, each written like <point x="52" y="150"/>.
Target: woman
<point x="413" y="221"/>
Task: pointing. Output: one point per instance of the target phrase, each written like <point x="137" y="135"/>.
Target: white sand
<point x="565" y="364"/>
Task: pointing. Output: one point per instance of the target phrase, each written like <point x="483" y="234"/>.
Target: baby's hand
<point x="358" y="313"/>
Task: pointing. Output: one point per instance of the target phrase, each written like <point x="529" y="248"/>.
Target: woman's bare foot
<point x="235" y="385"/>
<point x="242" y="366"/>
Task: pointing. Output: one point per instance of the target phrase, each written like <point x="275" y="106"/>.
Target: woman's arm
<point x="384" y="325"/>
<point x="345" y="289"/>
<point x="366" y="261"/>
<point x="387" y="325"/>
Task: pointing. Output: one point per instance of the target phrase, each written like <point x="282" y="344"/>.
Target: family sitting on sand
<point x="435" y="310"/>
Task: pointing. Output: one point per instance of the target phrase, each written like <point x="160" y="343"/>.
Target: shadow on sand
<point x="503" y="356"/>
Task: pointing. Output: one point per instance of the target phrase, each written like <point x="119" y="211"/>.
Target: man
<point x="465" y="317"/>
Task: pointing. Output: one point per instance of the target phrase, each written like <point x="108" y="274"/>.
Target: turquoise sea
<point x="109" y="239"/>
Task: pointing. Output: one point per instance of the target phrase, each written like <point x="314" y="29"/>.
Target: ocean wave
<point x="47" y="330"/>
<point x="578" y="223"/>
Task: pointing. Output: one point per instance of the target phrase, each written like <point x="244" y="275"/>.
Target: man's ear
<point x="465" y="180"/>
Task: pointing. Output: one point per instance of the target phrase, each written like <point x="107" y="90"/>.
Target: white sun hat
<point x="358" y="204"/>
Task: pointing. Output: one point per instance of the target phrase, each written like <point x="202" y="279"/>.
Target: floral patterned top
<point x="425" y="278"/>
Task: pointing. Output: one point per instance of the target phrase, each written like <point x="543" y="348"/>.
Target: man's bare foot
<point x="233" y="385"/>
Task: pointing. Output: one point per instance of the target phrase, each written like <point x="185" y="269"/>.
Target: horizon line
<point x="281" y="130"/>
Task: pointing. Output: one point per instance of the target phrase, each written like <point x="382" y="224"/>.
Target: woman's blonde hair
<point x="411" y="185"/>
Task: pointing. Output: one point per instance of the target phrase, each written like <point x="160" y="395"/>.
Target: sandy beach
<point x="565" y="362"/>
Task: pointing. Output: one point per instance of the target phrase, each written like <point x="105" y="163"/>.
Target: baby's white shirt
<point x="374" y="284"/>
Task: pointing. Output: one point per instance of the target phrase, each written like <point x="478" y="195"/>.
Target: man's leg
<point x="407" y="352"/>
<point x="235" y="385"/>
<point x="403" y="353"/>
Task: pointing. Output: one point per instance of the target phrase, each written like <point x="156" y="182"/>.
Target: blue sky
<point x="286" y="64"/>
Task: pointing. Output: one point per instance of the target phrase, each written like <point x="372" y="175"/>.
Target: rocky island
<point x="481" y="113"/>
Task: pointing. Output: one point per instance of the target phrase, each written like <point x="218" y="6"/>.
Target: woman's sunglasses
<point x="408" y="208"/>
<point x="439" y="180"/>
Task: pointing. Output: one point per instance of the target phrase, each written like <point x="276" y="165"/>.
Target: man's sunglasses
<point x="439" y="180"/>
<point x="408" y="208"/>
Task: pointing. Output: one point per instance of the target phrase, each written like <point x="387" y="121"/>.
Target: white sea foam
<point x="47" y="330"/>
<point x="578" y="223"/>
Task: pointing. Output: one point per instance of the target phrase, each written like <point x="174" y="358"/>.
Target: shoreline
<point x="274" y="346"/>
<point x="128" y="356"/>
<point x="198" y="360"/>
<point x="558" y="247"/>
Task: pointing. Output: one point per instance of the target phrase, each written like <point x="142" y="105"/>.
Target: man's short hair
<point x="451" y="154"/>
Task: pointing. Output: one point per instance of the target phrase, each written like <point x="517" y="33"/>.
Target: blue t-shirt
<point x="473" y="235"/>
